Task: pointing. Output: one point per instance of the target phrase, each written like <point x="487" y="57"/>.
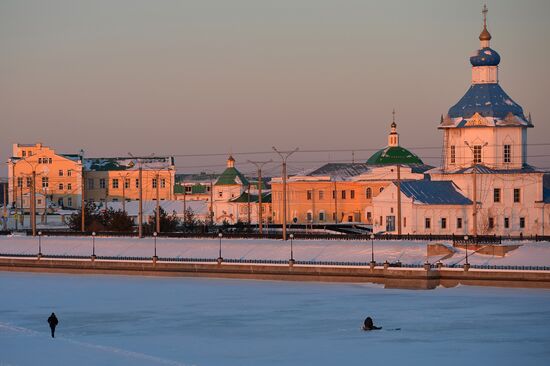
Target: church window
<point x="496" y="195"/>
<point x="522" y="222"/>
<point x="477" y="154"/>
<point x="321" y="195"/>
<point x="453" y="154"/>
<point x="369" y="193"/>
<point x="459" y="223"/>
<point x="309" y="195"/>
<point x="427" y="223"/>
<point x="507" y="153"/>
<point x="517" y="194"/>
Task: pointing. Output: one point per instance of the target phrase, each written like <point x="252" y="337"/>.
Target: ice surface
<point x="106" y="320"/>
<point x="408" y="252"/>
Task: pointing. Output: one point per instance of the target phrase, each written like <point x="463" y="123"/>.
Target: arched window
<point x="369" y="192"/>
<point x="381" y="189"/>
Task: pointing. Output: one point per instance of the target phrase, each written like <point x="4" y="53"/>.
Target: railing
<point x="493" y="239"/>
<point x="280" y="261"/>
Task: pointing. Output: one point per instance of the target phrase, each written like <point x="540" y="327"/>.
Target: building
<point x="57" y="177"/>
<point x="342" y="193"/>
<point x="487" y="185"/>
<point x="117" y="179"/>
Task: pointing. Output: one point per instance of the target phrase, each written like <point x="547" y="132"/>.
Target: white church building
<point x="485" y="185"/>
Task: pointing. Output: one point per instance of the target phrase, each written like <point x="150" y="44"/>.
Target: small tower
<point x="393" y="137"/>
<point x="230" y="162"/>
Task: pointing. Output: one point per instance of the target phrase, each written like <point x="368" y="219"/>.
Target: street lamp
<point x="291" y="261"/>
<point x="93" y="246"/>
<point x="39" y="244"/>
<point x="466" y="242"/>
<point x="372" y="262"/>
<point x="155" y="238"/>
<point x="220" y="259"/>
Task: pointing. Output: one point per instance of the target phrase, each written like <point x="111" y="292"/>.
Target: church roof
<point x="231" y="176"/>
<point x="485" y="57"/>
<point x="394" y="155"/>
<point x="434" y="192"/>
<point x="489" y="100"/>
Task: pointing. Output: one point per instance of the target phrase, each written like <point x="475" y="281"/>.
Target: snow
<point x="487" y="52"/>
<point x="509" y="102"/>
<point x="107" y="320"/>
<point x="407" y="252"/>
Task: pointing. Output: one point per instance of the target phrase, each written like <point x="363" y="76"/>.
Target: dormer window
<point x="477" y="154"/>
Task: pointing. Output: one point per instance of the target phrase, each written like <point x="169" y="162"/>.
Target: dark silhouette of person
<point x="369" y="325"/>
<point x="52" y="320"/>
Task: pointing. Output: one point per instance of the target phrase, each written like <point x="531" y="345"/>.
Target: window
<point x="453" y="154"/>
<point x="427" y="223"/>
<point x="188" y="189"/>
<point x="507" y="153"/>
<point x="115" y="183"/>
<point x="491" y="223"/>
<point x="506" y="223"/>
<point x="23" y="153"/>
<point x="368" y="193"/>
<point x="69" y="173"/>
<point x="163" y="183"/>
<point x="522" y="222"/>
<point x="29" y="182"/>
<point x="60" y="201"/>
<point x="69" y="201"/>
<point x="45" y="182"/>
<point x="309" y="194"/>
<point x="39" y="201"/>
<point x="322" y="216"/>
<point x="60" y="172"/>
<point x="39" y="160"/>
<point x="126" y="183"/>
<point x="352" y="194"/>
<point x="90" y="183"/>
<point x="443" y="222"/>
<point x="517" y="195"/>
<point x="459" y="222"/>
<point x="137" y="182"/>
<point x="20" y="181"/>
<point x="404" y="222"/>
<point x="334" y="216"/>
<point x="309" y="216"/>
<point x="49" y="160"/>
<point x="477" y="154"/>
<point x="343" y="195"/>
<point x="154" y="182"/>
<point x="60" y="186"/>
<point x="369" y="217"/>
<point x="333" y="195"/>
<point x="496" y="195"/>
<point x="220" y="194"/>
<point x="69" y="186"/>
<point x="390" y="223"/>
<point x="381" y="189"/>
<point x="102" y="183"/>
<point x="321" y="195"/>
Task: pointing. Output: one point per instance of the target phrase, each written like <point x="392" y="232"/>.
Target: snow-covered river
<point x="107" y="320"/>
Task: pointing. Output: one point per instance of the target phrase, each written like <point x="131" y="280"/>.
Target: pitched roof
<point x="482" y="169"/>
<point x="434" y="192"/>
<point x="124" y="163"/>
<point x="231" y="176"/>
<point x="266" y="198"/>
<point x="195" y="189"/>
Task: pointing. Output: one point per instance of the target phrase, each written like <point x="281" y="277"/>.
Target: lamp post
<point x="39" y="244"/>
<point x="284" y="157"/>
<point x="155" y="258"/>
<point x="93" y="246"/>
<point x="467" y="264"/>
<point x="220" y="259"/>
<point x="291" y="261"/>
<point x="372" y="262"/>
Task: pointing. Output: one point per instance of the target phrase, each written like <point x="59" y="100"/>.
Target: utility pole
<point x="33" y="202"/>
<point x="211" y="203"/>
<point x="335" y="204"/>
<point x="5" y="189"/>
<point x="82" y="199"/>
<point x="284" y="156"/>
<point x="124" y="192"/>
<point x="184" y="204"/>
<point x="399" y="199"/>
<point x="474" y="183"/>
<point x="248" y="206"/>
<point x="259" y="165"/>
<point x="14" y="193"/>
<point x="140" y="206"/>
<point x="158" y="202"/>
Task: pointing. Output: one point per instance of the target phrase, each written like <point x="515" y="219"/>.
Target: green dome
<point x="394" y="155"/>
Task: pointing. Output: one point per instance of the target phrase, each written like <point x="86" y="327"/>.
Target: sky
<point x="219" y="77"/>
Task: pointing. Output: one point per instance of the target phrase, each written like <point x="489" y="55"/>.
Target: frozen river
<point x="107" y="320"/>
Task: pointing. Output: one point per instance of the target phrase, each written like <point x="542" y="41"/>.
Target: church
<point x="494" y="189"/>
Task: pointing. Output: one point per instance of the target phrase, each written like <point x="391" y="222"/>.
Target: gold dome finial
<point x="485" y="35"/>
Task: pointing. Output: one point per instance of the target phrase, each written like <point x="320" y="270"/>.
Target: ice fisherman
<point x="52" y="320"/>
<point x="369" y="325"/>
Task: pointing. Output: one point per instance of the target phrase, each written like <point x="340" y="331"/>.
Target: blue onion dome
<point x="485" y="57"/>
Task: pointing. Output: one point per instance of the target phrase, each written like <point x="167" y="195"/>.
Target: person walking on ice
<point x="52" y="320"/>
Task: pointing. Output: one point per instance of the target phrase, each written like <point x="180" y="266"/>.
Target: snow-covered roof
<point x="128" y="163"/>
<point x="482" y="169"/>
<point x="199" y="207"/>
<point x="434" y="192"/>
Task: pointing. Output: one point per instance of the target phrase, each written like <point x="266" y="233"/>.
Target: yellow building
<point x="58" y="177"/>
<point x="117" y="179"/>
